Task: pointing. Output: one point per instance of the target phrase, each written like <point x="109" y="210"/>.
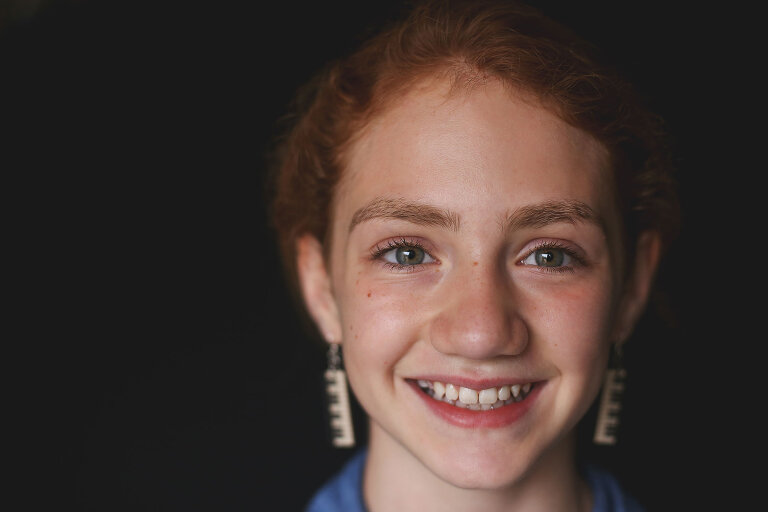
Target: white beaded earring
<point x="607" y="425"/>
<point x="339" y="411"/>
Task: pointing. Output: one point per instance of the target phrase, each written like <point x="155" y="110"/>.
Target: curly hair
<point x="470" y="41"/>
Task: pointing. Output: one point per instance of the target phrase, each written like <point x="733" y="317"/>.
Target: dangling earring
<point x="610" y="402"/>
<point x="339" y="412"/>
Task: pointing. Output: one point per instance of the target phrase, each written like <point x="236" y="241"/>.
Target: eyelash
<point x="378" y="252"/>
<point x="550" y="244"/>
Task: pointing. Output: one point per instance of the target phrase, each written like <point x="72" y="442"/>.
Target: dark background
<point x="158" y="360"/>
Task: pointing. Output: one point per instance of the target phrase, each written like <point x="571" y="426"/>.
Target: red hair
<point x="469" y="41"/>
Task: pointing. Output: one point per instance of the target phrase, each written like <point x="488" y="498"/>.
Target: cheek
<point x="380" y="323"/>
<point x="576" y="326"/>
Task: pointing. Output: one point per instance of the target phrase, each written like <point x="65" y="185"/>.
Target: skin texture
<point x="456" y="174"/>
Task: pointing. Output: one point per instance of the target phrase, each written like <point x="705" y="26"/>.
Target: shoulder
<point x="607" y="493"/>
<point x="344" y="491"/>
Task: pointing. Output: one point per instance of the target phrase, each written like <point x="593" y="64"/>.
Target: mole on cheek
<point x="369" y="293"/>
<point x="474" y="263"/>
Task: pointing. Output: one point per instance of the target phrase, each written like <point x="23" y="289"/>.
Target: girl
<point x="473" y="210"/>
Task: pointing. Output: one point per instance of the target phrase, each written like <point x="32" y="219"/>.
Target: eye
<point x="402" y="254"/>
<point x="407" y="255"/>
<point x="551" y="258"/>
<point x="548" y="258"/>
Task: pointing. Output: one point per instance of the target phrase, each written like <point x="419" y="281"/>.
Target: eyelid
<point x="572" y="250"/>
<point x="383" y="247"/>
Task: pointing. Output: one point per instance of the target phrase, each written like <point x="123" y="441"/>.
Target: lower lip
<point x="467" y="418"/>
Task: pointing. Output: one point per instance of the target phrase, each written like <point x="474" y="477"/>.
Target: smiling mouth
<point x="482" y="400"/>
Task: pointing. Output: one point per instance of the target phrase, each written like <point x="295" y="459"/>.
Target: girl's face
<point x="474" y="251"/>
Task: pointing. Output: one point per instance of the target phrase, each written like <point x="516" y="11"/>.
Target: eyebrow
<point x="529" y="216"/>
<point x="410" y="211"/>
<point x="551" y="212"/>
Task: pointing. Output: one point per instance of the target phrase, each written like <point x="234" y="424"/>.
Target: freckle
<point x="474" y="263"/>
<point x="369" y="294"/>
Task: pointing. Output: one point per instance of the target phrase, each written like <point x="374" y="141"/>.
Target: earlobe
<point x="639" y="284"/>
<point x="316" y="287"/>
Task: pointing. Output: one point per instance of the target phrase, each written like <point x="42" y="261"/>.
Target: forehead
<point x="484" y="147"/>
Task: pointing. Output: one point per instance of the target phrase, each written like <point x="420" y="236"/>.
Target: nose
<point x="479" y="317"/>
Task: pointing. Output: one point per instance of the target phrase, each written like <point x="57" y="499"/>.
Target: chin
<point x="480" y="469"/>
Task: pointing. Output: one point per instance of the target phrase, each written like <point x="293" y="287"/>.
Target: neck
<point x="394" y="480"/>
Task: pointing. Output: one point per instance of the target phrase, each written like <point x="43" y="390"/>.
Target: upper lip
<point x="477" y="384"/>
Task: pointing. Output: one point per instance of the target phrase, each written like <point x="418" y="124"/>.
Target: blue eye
<point x="402" y="254"/>
<point x="407" y="255"/>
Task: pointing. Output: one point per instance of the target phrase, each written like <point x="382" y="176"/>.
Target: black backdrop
<point x="164" y="366"/>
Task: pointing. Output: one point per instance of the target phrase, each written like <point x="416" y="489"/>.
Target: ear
<point x="316" y="288"/>
<point x="638" y="285"/>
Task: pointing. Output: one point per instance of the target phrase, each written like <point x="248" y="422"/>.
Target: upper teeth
<point x="472" y="398"/>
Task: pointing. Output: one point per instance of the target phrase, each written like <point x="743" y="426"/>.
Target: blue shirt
<point x="344" y="493"/>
